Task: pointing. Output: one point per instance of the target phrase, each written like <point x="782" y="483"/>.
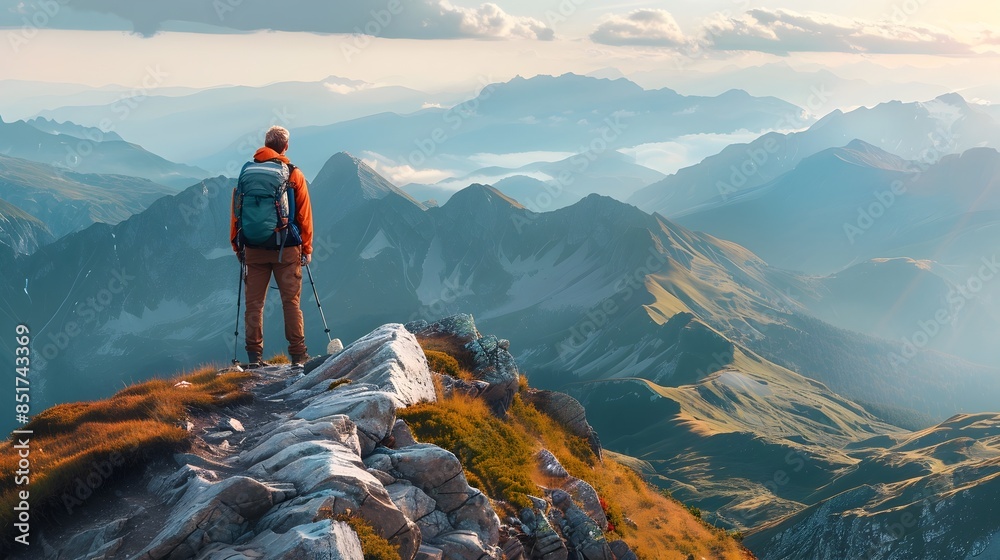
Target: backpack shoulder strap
<point x="292" y="210"/>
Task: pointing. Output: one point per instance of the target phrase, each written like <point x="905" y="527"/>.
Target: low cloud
<point x="640" y="27"/>
<point x="410" y="19"/>
<point x="782" y="32"/>
<point x="402" y="173"/>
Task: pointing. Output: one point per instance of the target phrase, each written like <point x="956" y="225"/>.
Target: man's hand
<point x="306" y="259"/>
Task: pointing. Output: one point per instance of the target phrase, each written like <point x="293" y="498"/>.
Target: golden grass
<point x="497" y="458"/>
<point x="279" y="359"/>
<point x="655" y="526"/>
<point x="121" y="431"/>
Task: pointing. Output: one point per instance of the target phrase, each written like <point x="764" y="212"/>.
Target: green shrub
<point x="446" y="364"/>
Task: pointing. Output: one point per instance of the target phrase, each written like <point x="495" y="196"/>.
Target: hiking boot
<point x="299" y="360"/>
<point x="254" y="361"/>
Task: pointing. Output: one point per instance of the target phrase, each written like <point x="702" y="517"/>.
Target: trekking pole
<point x="326" y="328"/>
<point x="239" y="300"/>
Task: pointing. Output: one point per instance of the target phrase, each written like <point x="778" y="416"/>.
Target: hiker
<point x="271" y="232"/>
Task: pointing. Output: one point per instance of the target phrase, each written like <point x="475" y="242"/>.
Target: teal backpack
<point x="264" y="204"/>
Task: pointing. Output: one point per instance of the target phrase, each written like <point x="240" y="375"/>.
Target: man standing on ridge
<point x="272" y="232"/>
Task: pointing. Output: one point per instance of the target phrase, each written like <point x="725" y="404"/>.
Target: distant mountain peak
<point x="859" y="152"/>
<point x="953" y="98"/>
<point x="735" y="92"/>
<point x="859" y="145"/>
<point x="352" y="183"/>
<point x="478" y="194"/>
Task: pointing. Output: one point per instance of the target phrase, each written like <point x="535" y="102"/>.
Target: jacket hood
<point x="267" y="154"/>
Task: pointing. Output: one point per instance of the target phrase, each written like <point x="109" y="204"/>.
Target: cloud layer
<point x="780" y="32"/>
<point x="640" y="27"/>
<point x="412" y="19"/>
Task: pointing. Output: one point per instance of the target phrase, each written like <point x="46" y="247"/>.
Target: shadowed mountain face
<point x="95" y="153"/>
<point x="810" y="474"/>
<point x="924" y="132"/>
<point x="346" y="183"/>
<point x="851" y="204"/>
<point x="20" y="232"/>
<point x="928" y="494"/>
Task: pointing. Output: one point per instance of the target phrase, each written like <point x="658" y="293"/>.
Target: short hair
<point x="276" y="138"/>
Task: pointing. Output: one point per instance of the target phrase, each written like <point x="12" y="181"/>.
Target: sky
<point x="440" y="45"/>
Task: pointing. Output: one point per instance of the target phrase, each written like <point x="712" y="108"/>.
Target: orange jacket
<point x="303" y="209"/>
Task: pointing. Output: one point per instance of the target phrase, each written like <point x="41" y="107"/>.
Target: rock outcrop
<point x="567" y="411"/>
<point x="493" y="366"/>
<point x="322" y="446"/>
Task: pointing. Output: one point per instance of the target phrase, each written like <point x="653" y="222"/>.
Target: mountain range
<point x="95" y="153"/>
<point x="598" y="292"/>
<point x="793" y="335"/>
<point x="66" y="202"/>
<point x="175" y="124"/>
<point x="923" y="132"/>
<point x="553" y="275"/>
<point x="568" y="113"/>
<point x="846" y="205"/>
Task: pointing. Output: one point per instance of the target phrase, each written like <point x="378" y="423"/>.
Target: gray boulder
<point x="411" y="500"/>
<point x="390" y="358"/>
<point x="209" y="513"/>
<point x="436" y="477"/>
<point x="94" y="544"/>
<point x="428" y="552"/>
<point x="466" y="545"/>
<point x="580" y="490"/>
<point x="320" y="540"/>
<point x="335" y="480"/>
<point x="337" y="428"/>
<point x="372" y="411"/>
<point x="401" y="435"/>
<point x="567" y="411"/>
<point x="542" y="541"/>
<point x="494" y="364"/>
<point x="622" y="551"/>
<point x="580" y="531"/>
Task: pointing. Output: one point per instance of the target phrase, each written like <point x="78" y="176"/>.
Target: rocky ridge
<point x="279" y="478"/>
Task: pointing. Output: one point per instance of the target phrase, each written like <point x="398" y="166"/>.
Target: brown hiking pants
<point x="261" y="263"/>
